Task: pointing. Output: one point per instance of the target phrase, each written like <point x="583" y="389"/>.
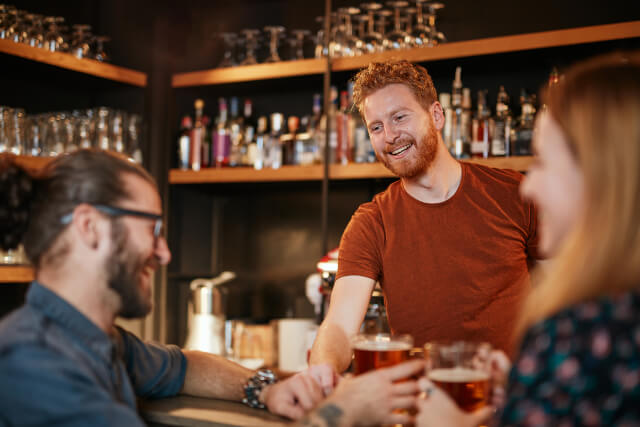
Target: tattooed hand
<point x="370" y="399"/>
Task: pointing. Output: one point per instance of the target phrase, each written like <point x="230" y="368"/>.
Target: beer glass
<point x="459" y="369"/>
<point x="374" y="351"/>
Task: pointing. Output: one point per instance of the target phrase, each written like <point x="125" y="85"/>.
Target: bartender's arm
<point x="349" y="300"/>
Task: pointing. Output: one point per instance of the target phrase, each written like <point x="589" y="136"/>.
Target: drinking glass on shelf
<point x="375" y="351"/>
<point x="53" y="40"/>
<point x="298" y="43"/>
<point x="83" y="132"/>
<point x="275" y="31"/>
<point x="17" y="131"/>
<point x="420" y="31"/>
<point x="320" y="50"/>
<point x="397" y="38"/>
<point x="460" y="369"/>
<point x="229" y="41"/>
<point x="102" y="139"/>
<point x="100" y="54"/>
<point x="81" y="41"/>
<point x="117" y="131"/>
<point x="350" y="43"/>
<point x="6" y="18"/>
<point x="33" y="143"/>
<point x="382" y="28"/>
<point x="435" y="37"/>
<point x="5" y="123"/>
<point x="251" y="41"/>
<point x="134" y="132"/>
<point x="35" y="35"/>
<point x="372" y="40"/>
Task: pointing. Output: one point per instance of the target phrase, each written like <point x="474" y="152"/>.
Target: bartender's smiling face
<point x="554" y="183"/>
<point x="136" y="253"/>
<point x="402" y="133"/>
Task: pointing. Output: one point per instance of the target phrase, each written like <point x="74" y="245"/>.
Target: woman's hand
<point x="439" y="410"/>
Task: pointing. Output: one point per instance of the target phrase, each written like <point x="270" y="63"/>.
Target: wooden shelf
<point x="15" y="274"/>
<point x="244" y="174"/>
<point x="494" y="45"/>
<point x="70" y="62"/>
<point x="250" y="72"/>
<point x="315" y="172"/>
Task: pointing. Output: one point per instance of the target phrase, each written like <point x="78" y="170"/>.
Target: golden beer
<point x="379" y="351"/>
<point x="468" y="387"/>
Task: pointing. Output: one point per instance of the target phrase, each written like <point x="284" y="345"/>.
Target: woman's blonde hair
<point x="597" y="105"/>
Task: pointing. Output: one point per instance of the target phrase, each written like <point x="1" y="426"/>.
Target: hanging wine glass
<point x="275" y="31"/>
<point x="372" y="40"/>
<point x="229" y="41"/>
<point x="251" y="43"/>
<point x="397" y="36"/>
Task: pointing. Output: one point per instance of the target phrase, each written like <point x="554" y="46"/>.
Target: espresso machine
<point x="375" y="320"/>
<point x="206" y="320"/>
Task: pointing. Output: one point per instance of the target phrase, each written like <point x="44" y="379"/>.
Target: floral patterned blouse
<point x="580" y="367"/>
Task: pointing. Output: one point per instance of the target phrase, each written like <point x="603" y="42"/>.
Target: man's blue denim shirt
<point x="58" y="368"/>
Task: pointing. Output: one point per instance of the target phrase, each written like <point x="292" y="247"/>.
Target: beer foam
<point x="382" y="346"/>
<point x="457" y="375"/>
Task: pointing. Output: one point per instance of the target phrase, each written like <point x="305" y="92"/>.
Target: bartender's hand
<point x="294" y="396"/>
<point x="326" y="376"/>
<point x="439" y="410"/>
<point x="372" y="398"/>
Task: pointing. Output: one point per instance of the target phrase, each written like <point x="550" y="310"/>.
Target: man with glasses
<point x="92" y="227"/>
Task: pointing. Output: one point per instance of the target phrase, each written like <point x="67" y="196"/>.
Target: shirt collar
<point x="69" y="318"/>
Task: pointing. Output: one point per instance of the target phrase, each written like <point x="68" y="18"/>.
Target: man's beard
<point x="421" y="162"/>
<point x="123" y="268"/>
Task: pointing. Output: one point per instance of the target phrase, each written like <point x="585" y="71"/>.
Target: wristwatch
<point x="255" y="385"/>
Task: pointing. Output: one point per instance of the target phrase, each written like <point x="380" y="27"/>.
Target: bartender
<point x="450" y="243"/>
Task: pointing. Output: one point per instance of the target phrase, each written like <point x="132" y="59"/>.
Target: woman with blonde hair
<point x="579" y="361"/>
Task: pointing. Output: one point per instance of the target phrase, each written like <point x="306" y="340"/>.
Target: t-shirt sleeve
<point x="155" y="370"/>
<point x="38" y="387"/>
<point x="361" y="244"/>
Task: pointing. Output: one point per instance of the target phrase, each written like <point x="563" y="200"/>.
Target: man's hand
<point x="439" y="410"/>
<point x="294" y="396"/>
<point x="372" y="398"/>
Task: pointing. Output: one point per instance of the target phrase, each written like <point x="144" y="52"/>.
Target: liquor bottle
<point x="288" y="141"/>
<point x="456" y="105"/>
<point x="248" y="134"/>
<point x="501" y="132"/>
<point x="197" y="135"/>
<point x="317" y="127"/>
<point x="362" y="149"/>
<point x="344" y="131"/>
<point x="333" y="128"/>
<point x="184" y="143"/>
<point x="447" y="130"/>
<point x="221" y="137"/>
<point x="465" y="123"/>
<point x="235" y="134"/>
<point x="480" y="128"/>
<point x="206" y="147"/>
<point x="274" y="147"/>
<point x="260" y="155"/>
<point x="524" y="128"/>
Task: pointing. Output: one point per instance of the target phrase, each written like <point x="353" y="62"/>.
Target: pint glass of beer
<point x="459" y="369"/>
<point x="379" y="350"/>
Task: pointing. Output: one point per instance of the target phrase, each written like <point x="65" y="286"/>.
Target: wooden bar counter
<point x="200" y="412"/>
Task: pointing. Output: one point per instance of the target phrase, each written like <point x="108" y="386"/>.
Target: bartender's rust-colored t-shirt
<point x="452" y="270"/>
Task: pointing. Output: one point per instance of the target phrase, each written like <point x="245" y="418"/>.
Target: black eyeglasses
<point x="115" y="211"/>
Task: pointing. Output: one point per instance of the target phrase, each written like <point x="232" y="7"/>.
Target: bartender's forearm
<point x="331" y="347"/>
<point x="214" y="376"/>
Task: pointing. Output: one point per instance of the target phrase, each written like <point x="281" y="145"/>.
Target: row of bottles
<point x="481" y="134"/>
<point x="271" y="141"/>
